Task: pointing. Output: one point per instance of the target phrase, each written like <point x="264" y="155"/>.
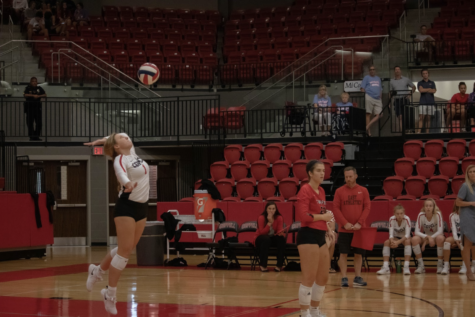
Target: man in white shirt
<point x="425" y="42"/>
<point x="36" y="26"/>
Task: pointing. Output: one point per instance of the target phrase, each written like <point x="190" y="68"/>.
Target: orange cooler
<point x="203" y="204"/>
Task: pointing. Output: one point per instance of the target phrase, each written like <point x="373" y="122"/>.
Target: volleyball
<point x="148" y="73"/>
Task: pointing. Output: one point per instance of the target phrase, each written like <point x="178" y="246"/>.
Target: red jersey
<point x="310" y="203"/>
<point x="263" y="228"/>
<point x="458" y="99"/>
<point x="351" y="205"/>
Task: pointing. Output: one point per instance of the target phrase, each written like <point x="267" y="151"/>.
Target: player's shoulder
<point x="392" y="218"/>
<point x="407" y="217"/>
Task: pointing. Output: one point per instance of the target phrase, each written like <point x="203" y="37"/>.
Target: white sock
<point x="98" y="270"/>
<point x="386" y="264"/>
<point x="421" y="262"/>
<point x="304" y="312"/>
<point x="440" y="261"/>
<point x="314" y="311"/>
<point x="111" y="291"/>
<point x="406" y="263"/>
<point x="463" y="264"/>
<point x="446" y="264"/>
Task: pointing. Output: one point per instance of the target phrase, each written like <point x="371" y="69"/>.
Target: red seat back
<point x="426" y="167"/>
<point x="434" y="148"/>
<point x="260" y="169"/>
<point x="288" y="187"/>
<point x="393" y="186"/>
<point x="328" y="168"/>
<point x="232" y="153"/>
<point x="293" y="152"/>
<point x="404" y="167"/>
<point x="466" y="162"/>
<point x="219" y="170"/>
<point x="253" y="152"/>
<point x="457" y="182"/>
<point x="313" y="151"/>
<point x="245" y="187"/>
<point x="281" y="169"/>
<point x="415" y="186"/>
<point x="413" y="149"/>
<point x="239" y="170"/>
<point x="225" y="187"/>
<point x="299" y="169"/>
<point x="334" y="151"/>
<point x="457" y="148"/>
<point x="449" y="166"/>
<point x="266" y="187"/>
<point x="438" y="185"/>
<point x="273" y="152"/>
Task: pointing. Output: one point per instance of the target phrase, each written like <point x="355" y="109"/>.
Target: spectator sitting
<point x="49" y="23"/>
<point x="343" y="109"/>
<point x="37" y="26"/>
<point x="30" y="12"/>
<point x="19" y="6"/>
<point x="456" y="107"/>
<point x="427" y="42"/>
<point x="270" y="233"/>
<point x="63" y="19"/>
<point x="471" y="108"/>
<point x="322" y="116"/>
<point x="81" y="16"/>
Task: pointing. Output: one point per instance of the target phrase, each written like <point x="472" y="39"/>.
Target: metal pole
<point x="342" y="64"/>
<point x="293" y="86"/>
<point x="352" y="64"/>
<point x="304" y="86"/>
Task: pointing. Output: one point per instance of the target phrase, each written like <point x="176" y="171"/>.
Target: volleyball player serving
<point x="313" y="240"/>
<point x="130" y="212"/>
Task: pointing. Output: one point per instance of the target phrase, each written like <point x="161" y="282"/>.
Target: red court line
<point x="45" y="272"/>
<point x="28" y="306"/>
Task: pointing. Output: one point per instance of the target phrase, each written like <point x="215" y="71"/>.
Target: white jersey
<point x="432" y="228"/>
<point x="399" y="231"/>
<point x="455" y="224"/>
<point x="131" y="168"/>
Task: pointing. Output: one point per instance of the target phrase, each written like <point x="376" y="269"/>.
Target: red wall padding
<point x="18" y="225"/>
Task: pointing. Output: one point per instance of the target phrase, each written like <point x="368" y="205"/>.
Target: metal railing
<point x="403" y="25"/>
<point x="421" y="3"/>
<point x="285" y="76"/>
<point x="440" y="52"/>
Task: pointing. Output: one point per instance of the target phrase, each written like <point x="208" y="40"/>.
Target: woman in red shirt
<point x="313" y="239"/>
<point x="457" y="106"/>
<point x="270" y="233"/>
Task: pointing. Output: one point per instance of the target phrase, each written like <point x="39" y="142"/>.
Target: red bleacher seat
<point x="293" y="151"/>
<point x="225" y="187"/>
<point x="276" y="199"/>
<point x="426" y="167"/>
<point x="413" y="149"/>
<point x="232" y="199"/>
<point x="273" y="152"/>
<point x="120" y="56"/>
<point x="266" y="187"/>
<point x="281" y="168"/>
<point x="122" y="33"/>
<point x="288" y="187"/>
<point x="259" y="169"/>
<point x="246" y="187"/>
<point x="471" y="148"/>
<point x="156" y="57"/>
<point x="406" y="197"/>
<point x="425" y="197"/>
<point x="253" y="200"/>
<point x="457" y="148"/>
<point x="187" y="199"/>
<point x="328" y="168"/>
<point x="404" y="167"/>
<point x="456" y="183"/>
<point x="448" y="166"/>
<point x="466" y="162"/>
<point x="232" y="153"/>
<point x="434" y="148"/>
<point x="234" y="119"/>
<point x="415" y="186"/>
<point x="299" y="169"/>
<point x="438" y="185"/>
<point x="334" y="151"/>
<point x="313" y="151"/>
<point x="393" y="186"/>
<point x="219" y="170"/>
<point x="239" y="169"/>
<point x="383" y="198"/>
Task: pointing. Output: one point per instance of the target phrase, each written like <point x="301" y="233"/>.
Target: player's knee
<point x="386" y="243"/>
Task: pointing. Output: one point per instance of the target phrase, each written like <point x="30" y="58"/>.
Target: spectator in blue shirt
<point x="343" y="109"/>
<point x="322" y="109"/>
<point x="427" y="89"/>
<point x="372" y="87"/>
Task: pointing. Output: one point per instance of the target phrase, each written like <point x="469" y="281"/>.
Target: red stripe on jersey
<point x="120" y="161"/>
<point x="440" y="220"/>
<point x="145" y="169"/>
<point x="407" y="222"/>
<point x="418" y="222"/>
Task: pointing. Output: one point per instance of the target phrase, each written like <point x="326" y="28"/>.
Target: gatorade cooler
<point x="203" y="204"/>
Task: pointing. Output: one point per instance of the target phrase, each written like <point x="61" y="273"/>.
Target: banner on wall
<point x="352" y="86"/>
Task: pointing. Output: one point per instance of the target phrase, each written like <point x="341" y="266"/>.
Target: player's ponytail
<point x="109" y="146"/>
<point x="456" y="209"/>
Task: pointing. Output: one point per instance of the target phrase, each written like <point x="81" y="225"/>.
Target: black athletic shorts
<point x="128" y="208"/>
<point x="344" y="244"/>
<point x="307" y="235"/>
<point x="399" y="105"/>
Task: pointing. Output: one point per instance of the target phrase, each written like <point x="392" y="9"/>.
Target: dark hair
<point x="396" y="67"/>
<point x="276" y="214"/>
<point x="423" y="26"/>
<point x="349" y="168"/>
<point x="462" y="83"/>
<point x="423" y="70"/>
<point x="33" y="78"/>
<point x="311" y="165"/>
<point x="39" y="14"/>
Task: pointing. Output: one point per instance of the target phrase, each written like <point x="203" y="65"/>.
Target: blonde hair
<point x="324" y="87"/>
<point x="436" y="208"/>
<point x="345" y="94"/>
<point x="456" y="209"/>
<point x="109" y="148"/>
<point x="399" y="207"/>
<point x="467" y="179"/>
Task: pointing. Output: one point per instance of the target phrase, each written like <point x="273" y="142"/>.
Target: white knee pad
<point x="416" y="249"/>
<point x="446" y="245"/>
<point x="386" y="251"/>
<point x="114" y="252"/>
<point x="119" y="262"/>
<point x="407" y="250"/>
<point x="440" y="251"/>
<point x="305" y="295"/>
<point x="317" y="292"/>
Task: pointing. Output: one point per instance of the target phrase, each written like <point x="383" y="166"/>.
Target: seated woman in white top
<point x="399" y="234"/>
<point x="429" y="230"/>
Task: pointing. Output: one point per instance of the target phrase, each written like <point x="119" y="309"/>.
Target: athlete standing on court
<point x="130" y="213"/>
<point x="313" y="239"/>
<point x="351" y="206"/>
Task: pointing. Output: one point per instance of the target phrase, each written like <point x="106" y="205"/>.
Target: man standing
<point x="372" y="87"/>
<point x="351" y="206"/>
<point x="427" y="103"/>
<point x="400" y="84"/>
<point x="32" y="107"/>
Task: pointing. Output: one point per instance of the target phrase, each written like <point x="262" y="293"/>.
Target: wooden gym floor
<point x="55" y="286"/>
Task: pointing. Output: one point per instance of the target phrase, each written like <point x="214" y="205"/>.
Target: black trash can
<point x="152" y="244"/>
